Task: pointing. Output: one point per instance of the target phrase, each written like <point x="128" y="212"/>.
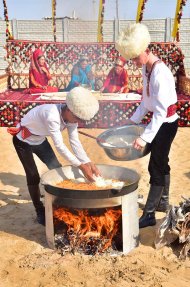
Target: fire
<point x="85" y="230"/>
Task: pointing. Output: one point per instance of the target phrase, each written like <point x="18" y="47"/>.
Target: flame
<point x="85" y="226"/>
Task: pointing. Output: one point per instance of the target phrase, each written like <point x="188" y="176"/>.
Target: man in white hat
<point x="51" y="120"/>
<point x="159" y="97"/>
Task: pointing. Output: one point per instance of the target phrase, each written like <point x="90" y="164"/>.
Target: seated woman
<point x="39" y="75"/>
<point x="81" y="75"/>
<point x="117" y="79"/>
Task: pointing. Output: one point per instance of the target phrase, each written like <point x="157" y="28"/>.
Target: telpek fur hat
<point x="82" y="103"/>
<point x="133" y="40"/>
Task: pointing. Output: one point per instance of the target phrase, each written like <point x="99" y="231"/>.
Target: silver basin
<point x="52" y="177"/>
<point x="117" y="143"/>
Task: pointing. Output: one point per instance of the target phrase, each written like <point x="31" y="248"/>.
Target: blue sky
<point x="88" y="9"/>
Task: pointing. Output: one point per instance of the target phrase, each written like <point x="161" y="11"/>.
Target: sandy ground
<point x="26" y="259"/>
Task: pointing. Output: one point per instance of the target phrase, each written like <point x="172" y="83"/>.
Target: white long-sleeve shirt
<point x="162" y="94"/>
<point x="45" y="120"/>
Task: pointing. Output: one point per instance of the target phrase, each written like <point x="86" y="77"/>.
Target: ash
<point x="70" y="242"/>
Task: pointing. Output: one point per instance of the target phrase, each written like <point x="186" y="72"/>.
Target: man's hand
<point x="89" y="169"/>
<point x="139" y="143"/>
<point x="94" y="169"/>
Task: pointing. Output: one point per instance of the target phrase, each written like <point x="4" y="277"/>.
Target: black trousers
<point x="159" y="158"/>
<point x="25" y="153"/>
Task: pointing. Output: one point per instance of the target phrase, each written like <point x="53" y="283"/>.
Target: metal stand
<point x="49" y="220"/>
<point x="130" y="221"/>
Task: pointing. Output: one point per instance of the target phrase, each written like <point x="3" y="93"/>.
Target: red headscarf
<point x="38" y="79"/>
<point x="35" y="70"/>
<point x="34" y="65"/>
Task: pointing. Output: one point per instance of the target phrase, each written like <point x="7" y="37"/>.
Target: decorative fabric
<point x="14" y="105"/>
<point x="61" y="56"/>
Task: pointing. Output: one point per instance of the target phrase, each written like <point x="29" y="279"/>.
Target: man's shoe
<point x="163" y="206"/>
<point x="41" y="215"/>
<point x="147" y="219"/>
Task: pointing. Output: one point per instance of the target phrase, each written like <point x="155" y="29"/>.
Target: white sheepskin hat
<point x="133" y="40"/>
<point x="82" y="103"/>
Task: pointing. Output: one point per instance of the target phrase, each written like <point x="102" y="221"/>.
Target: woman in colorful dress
<point x="39" y="74"/>
<point x="117" y="79"/>
<point x="81" y="75"/>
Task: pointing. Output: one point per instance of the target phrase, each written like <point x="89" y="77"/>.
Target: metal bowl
<point x="118" y="142"/>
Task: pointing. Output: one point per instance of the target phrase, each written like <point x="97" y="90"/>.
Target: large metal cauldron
<point x="90" y="198"/>
<point x="86" y="199"/>
<point x="118" y="142"/>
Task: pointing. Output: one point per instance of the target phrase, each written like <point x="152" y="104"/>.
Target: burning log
<point x="87" y="231"/>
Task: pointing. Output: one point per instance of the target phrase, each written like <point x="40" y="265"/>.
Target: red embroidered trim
<point x="171" y="110"/>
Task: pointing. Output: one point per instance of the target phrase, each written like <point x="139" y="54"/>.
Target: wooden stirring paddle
<point x="93" y="137"/>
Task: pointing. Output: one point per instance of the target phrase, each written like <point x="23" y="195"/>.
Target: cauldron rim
<point x="91" y="194"/>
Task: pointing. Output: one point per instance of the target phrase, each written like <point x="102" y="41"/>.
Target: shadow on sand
<point x="17" y="212"/>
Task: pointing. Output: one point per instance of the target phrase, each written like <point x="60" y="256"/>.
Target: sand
<point x="26" y="259"/>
